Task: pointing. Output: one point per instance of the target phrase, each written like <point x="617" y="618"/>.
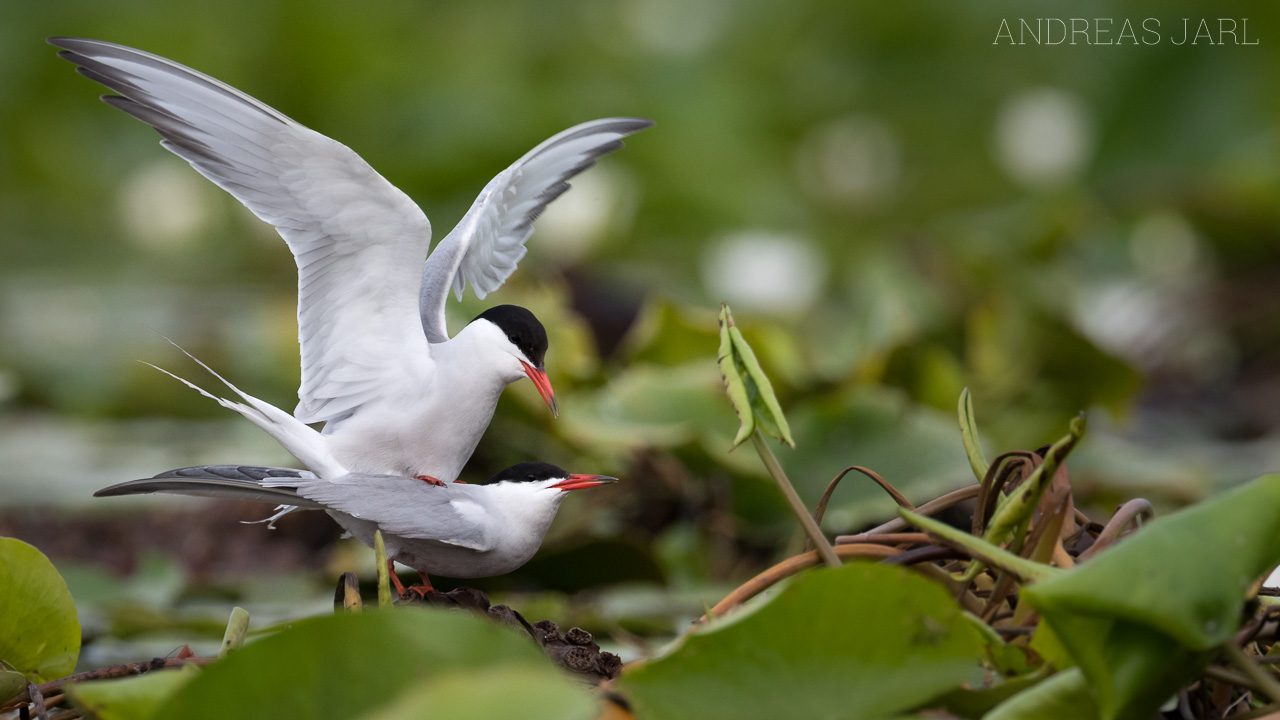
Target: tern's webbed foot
<point x="430" y="480"/>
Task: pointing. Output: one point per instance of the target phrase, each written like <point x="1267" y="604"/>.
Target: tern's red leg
<point x="391" y="570"/>
<point x="424" y="589"/>
<point x="430" y="480"/>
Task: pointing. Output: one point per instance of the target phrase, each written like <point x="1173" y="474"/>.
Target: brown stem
<point x="906" y="538"/>
<point x="930" y="508"/>
<point x="789" y="567"/>
<point x="1133" y="511"/>
<point x="821" y="508"/>
<point x="105" y="673"/>
<point x="37" y="701"/>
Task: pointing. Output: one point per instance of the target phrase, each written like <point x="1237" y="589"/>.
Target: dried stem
<point x="789" y="567"/>
<point x="932" y="507"/>
<point x="1133" y="511"/>
<point x="105" y="673"/>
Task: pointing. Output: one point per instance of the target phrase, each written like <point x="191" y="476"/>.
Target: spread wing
<point x="406" y="507"/>
<point x="486" y="245"/>
<point x="357" y="240"/>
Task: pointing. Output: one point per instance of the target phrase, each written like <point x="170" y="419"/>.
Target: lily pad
<point x="1143" y="617"/>
<point x="39" y="631"/>
<point x="132" y="698"/>
<point x="861" y="641"/>
<point x="360" y="664"/>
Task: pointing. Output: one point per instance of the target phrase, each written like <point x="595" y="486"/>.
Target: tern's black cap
<point x="521" y="328"/>
<point x="527" y="472"/>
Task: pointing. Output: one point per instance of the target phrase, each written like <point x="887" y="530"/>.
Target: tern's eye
<point x="530" y="477"/>
<point x="512" y="338"/>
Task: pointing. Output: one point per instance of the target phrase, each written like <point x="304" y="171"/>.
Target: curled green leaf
<point x="980" y="549"/>
<point x="1017" y="507"/>
<point x="749" y="389"/>
<point x="969" y="436"/>
<point x="732" y="377"/>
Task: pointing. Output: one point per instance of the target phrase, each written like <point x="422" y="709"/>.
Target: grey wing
<point x="405" y="507"/>
<point x="489" y="241"/>
<point x="356" y="238"/>
<point x="233" y="482"/>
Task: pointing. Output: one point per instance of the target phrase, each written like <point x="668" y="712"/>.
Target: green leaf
<point x="1144" y="616"/>
<point x="39" y="631"/>
<point x="969" y="436"/>
<point x="133" y="698"/>
<point x="506" y="692"/>
<point x="860" y="641"/>
<point x="972" y="703"/>
<point x="980" y="549"/>
<point x="355" y="664"/>
<point x="12" y="682"/>
<point x="1064" y="696"/>
<point x="749" y="389"/>
<point x="734" y="385"/>
<point x="1015" y="510"/>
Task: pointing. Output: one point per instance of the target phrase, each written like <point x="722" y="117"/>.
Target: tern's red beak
<point x="540" y="381"/>
<point x="582" y="482"/>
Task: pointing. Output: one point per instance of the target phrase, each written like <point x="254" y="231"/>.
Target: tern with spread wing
<point x="397" y="395"/>
<point x="461" y="530"/>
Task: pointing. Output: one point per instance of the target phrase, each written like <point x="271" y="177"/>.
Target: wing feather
<point x="356" y="238"/>
<point x="485" y="247"/>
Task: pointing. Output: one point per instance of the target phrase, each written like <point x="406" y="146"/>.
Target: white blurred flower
<point x="764" y="272"/>
<point x="1044" y="137"/>
<point x="164" y="205"/>
<point x="578" y="219"/>
<point x="855" y="159"/>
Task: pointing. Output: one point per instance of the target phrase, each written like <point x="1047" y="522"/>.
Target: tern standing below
<point x="466" y="531"/>
<point x="397" y="395"/>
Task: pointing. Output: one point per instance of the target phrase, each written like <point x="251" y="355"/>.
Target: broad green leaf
<point x="977" y="703"/>
<point x="1064" y="696"/>
<point x="860" y="641"/>
<point x="132" y="698"/>
<point x="969" y="436"/>
<point x="39" y="631"/>
<point x="514" y="691"/>
<point x="354" y="664"/>
<point x="1142" y="616"/>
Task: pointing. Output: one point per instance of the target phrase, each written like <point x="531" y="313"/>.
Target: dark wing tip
<point x="118" y="490"/>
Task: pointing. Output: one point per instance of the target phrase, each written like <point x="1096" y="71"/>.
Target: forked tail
<point x="304" y="443"/>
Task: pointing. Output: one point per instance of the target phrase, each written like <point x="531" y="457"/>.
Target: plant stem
<point x="1255" y="672"/>
<point x="810" y="526"/>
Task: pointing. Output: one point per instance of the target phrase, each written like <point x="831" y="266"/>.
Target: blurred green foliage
<point x="863" y="172"/>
